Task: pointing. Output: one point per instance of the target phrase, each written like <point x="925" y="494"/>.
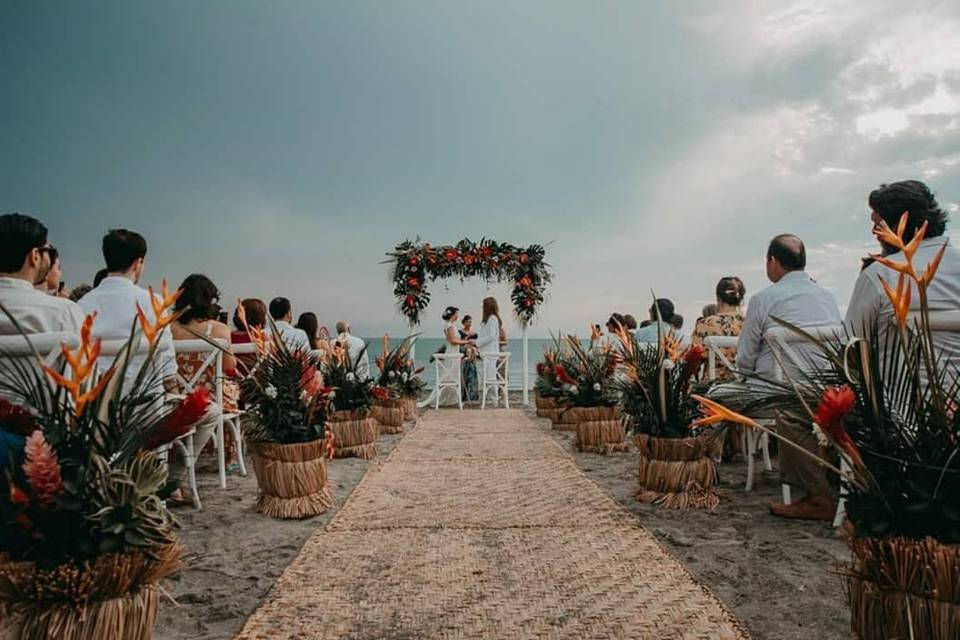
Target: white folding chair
<point x="501" y="377"/>
<point x="940" y="321"/>
<point x="782" y="340"/>
<point x="447" y="365"/>
<point x="750" y="439"/>
<point x="46" y="345"/>
<point x="214" y="359"/>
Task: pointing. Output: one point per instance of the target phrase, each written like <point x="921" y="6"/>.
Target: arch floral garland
<point x="416" y="263"/>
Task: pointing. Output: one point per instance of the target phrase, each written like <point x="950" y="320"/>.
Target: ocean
<point x="427" y="346"/>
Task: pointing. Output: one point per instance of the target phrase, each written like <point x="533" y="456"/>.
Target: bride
<point x="452" y="344"/>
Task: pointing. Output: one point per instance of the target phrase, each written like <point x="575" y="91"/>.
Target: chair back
<point x="716" y="345"/>
<point x="44" y="345"/>
<point x="212" y="358"/>
<point x="940" y="321"/>
<point x="784" y="342"/>
<point x="447" y="363"/>
<point x="503" y="367"/>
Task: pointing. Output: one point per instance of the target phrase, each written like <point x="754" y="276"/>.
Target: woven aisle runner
<point x="479" y="525"/>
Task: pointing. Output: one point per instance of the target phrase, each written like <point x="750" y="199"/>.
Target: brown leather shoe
<point x="808" y="508"/>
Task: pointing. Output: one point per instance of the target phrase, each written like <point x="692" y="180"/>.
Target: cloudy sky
<point x="284" y="147"/>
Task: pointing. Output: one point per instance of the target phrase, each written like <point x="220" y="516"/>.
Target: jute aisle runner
<point x="478" y="525"/>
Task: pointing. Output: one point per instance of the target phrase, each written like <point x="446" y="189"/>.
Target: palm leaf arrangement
<point x="354" y="392"/>
<point x="82" y="510"/>
<point x="398" y="374"/>
<point x="546" y="384"/>
<point x="888" y="403"/>
<point x="585" y="376"/>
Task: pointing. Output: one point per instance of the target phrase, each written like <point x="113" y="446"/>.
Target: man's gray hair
<point x="342" y="327"/>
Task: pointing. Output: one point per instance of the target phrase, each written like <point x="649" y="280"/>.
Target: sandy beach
<point x="775" y="575"/>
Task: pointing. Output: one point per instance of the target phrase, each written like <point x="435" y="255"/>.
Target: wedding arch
<point x="416" y="263"/>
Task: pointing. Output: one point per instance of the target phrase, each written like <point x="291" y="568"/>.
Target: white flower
<point x="596" y="386"/>
<point x="351" y="377"/>
<point x="332" y="395"/>
<point x="392" y="374"/>
<point x="668" y="364"/>
<point x="572" y="389"/>
<point x="405" y="377"/>
<point x="270" y="392"/>
<point x="822" y="439"/>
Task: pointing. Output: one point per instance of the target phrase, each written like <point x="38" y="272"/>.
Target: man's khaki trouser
<point x="797" y="469"/>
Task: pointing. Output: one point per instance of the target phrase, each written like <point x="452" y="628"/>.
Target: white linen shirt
<point x="294" y="338"/>
<point x="796" y="299"/>
<point x="870" y="307"/>
<point x="354" y="346"/>
<point x="36" y="311"/>
<point x="115" y="302"/>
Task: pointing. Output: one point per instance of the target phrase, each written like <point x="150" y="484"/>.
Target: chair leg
<point x="765" y="447"/>
<point x="190" y="459"/>
<point x="751" y="451"/>
<point x="221" y="454"/>
<point x="785" y="489"/>
<point x="238" y="439"/>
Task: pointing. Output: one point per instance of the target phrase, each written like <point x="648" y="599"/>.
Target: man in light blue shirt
<point x="653" y="331"/>
<point x="795" y="298"/>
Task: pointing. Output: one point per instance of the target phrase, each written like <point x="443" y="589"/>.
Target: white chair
<point x="501" y="378"/>
<point x="448" y="370"/>
<point x="750" y="439"/>
<point x="44" y="345"/>
<point x="781" y="341"/>
<point x="214" y="359"/>
<point x="940" y="321"/>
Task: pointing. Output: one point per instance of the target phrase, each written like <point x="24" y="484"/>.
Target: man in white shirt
<point x="870" y="309"/>
<point x="115" y="302"/>
<point x="354" y="346"/>
<point x="282" y="314"/>
<point x="795" y="298"/>
<point x="24" y="263"/>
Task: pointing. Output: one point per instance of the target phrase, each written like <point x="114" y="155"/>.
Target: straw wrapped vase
<point x="602" y="436"/>
<point x="355" y="434"/>
<point x="409" y="408"/>
<point x="545" y="406"/>
<point x="112" y="596"/>
<point x="679" y="473"/>
<point x="390" y="415"/>
<point x="568" y="418"/>
<point x="903" y="588"/>
<point x="292" y="479"/>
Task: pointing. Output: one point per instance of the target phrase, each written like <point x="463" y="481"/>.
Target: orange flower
<point x="885" y="234"/>
<point x="899" y="298"/>
<point x="160" y="304"/>
<point x="672" y="346"/>
<point x="714" y="412"/>
<point x="82" y="364"/>
<point x="931" y="269"/>
<point x="329" y="445"/>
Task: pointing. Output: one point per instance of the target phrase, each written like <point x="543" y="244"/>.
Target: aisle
<point x="478" y="525"/>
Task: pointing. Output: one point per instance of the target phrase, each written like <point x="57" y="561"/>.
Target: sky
<point x="282" y="148"/>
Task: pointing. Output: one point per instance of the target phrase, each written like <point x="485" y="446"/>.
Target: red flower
<point x="469" y="259"/>
<point x="16" y="419"/>
<point x="528" y="302"/>
<point x="411" y="301"/>
<point x="835" y="404"/>
<point x="419" y="371"/>
<point x="563" y="376"/>
<point x="525" y="282"/>
<point x="17" y="495"/>
<point x="311" y="381"/>
<point x="542" y="369"/>
<point x="182" y="418"/>
<point x="413" y="261"/>
<point x="486" y="252"/>
<point x="431" y="260"/>
<point x="524" y="258"/>
<point x="451" y="254"/>
<point x="42" y="470"/>
<point x="380" y="393"/>
<point x="413" y="282"/>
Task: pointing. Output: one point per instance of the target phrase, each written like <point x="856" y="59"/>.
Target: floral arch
<point x="416" y="263"/>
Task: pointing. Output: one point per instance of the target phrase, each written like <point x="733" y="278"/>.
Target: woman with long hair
<point x="488" y="339"/>
<point x="309" y="324"/>
<point x="727" y="321"/>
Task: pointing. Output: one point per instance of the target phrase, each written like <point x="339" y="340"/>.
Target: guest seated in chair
<point x="282" y="314"/>
<point x="198" y="310"/>
<point x="653" y="330"/>
<point x="796" y="298"/>
<point x="726" y="320"/>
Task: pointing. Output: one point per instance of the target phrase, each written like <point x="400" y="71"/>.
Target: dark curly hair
<point x="730" y="290"/>
<point x="198" y="300"/>
<point x="889" y="201"/>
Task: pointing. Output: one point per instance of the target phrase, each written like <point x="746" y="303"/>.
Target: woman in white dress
<point x="452" y="343"/>
<point x="488" y="340"/>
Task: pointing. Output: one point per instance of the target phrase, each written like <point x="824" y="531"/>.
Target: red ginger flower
<point x="311" y="382"/>
<point x="835" y="404"/>
<point x="43" y="471"/>
<point x="15" y="419"/>
<point x="380" y="393"/>
<point x="17" y="495"/>
<point x="563" y="376"/>
<point x="182" y="418"/>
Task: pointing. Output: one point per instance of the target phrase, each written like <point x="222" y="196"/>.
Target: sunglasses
<point x="46" y="249"/>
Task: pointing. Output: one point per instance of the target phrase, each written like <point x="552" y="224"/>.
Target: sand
<point x="775" y="575"/>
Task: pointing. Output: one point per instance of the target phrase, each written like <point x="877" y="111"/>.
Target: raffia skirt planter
<point x="545" y="406"/>
<point x="410" y="412"/>
<point x="355" y="434"/>
<point x="114" y="596"/>
<point x="602" y="436"/>
<point x="903" y="588"/>
<point x="569" y="417"/>
<point x="292" y="479"/>
<point x="390" y="415"/>
<point x="679" y="473"/>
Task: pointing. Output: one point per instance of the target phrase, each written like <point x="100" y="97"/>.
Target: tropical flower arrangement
<point x="888" y="404"/>
<point x="546" y="384"/>
<point x="398" y="373"/>
<point x="416" y="263"/>
<point x="355" y="430"/>
<point x="85" y="534"/>
<point x="585" y="376"/>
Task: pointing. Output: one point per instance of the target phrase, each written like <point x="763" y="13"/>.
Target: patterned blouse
<point x="720" y="325"/>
